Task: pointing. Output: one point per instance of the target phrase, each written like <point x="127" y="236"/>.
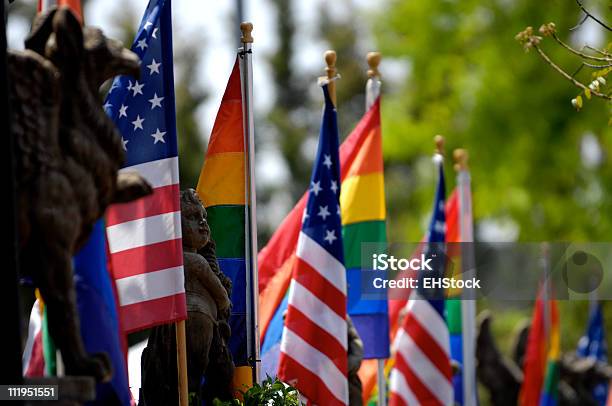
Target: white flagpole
<point x="468" y="302"/>
<point x="246" y="75"/>
<point x="371" y="94"/>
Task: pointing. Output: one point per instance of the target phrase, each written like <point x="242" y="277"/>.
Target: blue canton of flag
<point x="321" y="220"/>
<point x="593" y="344"/>
<point x="143" y="109"/>
<point x="313" y="350"/>
<point x="435" y="246"/>
<point x="150" y="291"/>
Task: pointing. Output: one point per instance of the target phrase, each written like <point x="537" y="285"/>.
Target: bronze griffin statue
<point x="68" y="154"/>
<point x="209" y="361"/>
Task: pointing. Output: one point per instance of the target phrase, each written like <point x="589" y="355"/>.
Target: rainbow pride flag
<point x="541" y="365"/>
<point x="362" y="202"/>
<point x="453" y="302"/>
<point x="221" y="188"/>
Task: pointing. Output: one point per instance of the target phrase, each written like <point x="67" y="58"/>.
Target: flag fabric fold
<point x="368" y="370"/>
<point x="540" y="365"/>
<point x="362" y="203"/>
<point x="453" y="303"/>
<point x="313" y="349"/>
<point x="98" y="314"/>
<point x="221" y="187"/>
<point x="593" y="345"/>
<point x="422" y="371"/>
<point x="33" y="360"/>
<point x="144" y="237"/>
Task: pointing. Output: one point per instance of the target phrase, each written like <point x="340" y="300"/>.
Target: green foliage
<point x="469" y="81"/>
<point x="270" y="392"/>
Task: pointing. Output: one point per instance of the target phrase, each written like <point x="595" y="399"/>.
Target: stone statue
<point x="68" y="153"/>
<point x="500" y="375"/>
<point x="208" y="306"/>
<point x="503" y="376"/>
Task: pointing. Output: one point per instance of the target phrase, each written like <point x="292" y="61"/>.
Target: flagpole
<point x="246" y="74"/>
<point x="468" y="303"/>
<point x="181" y="361"/>
<point x="371" y="94"/>
<point x="330" y="60"/>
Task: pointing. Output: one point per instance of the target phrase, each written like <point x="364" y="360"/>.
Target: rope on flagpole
<point x="372" y="92"/>
<point x="246" y="75"/>
<point x="468" y="302"/>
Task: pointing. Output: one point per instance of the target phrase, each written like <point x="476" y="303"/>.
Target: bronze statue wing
<point x="35" y="106"/>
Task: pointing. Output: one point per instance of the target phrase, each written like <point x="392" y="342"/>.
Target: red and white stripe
<point x="33" y="361"/>
<point x="144" y="241"/>
<point x="422" y="371"/>
<point x="314" y="343"/>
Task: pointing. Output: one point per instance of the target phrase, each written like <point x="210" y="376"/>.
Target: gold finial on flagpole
<point x="330" y="61"/>
<point x="461" y="159"/>
<point x="439" y="141"/>
<point x="373" y="59"/>
<point x="246" y="28"/>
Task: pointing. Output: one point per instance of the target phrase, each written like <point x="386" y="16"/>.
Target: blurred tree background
<point x="540" y="170"/>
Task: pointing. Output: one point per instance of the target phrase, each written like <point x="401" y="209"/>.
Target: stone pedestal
<point x="72" y="390"/>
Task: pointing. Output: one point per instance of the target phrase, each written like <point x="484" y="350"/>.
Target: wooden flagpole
<point x="181" y="362"/>
<point x="252" y="278"/>
<point x="371" y="94"/>
<point x="330" y="60"/>
<point x="468" y="302"/>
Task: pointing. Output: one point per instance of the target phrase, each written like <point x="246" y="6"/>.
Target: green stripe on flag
<point x="49" y="350"/>
<point x="227" y="227"/>
<point x="353" y="235"/>
<point x="550" y="390"/>
<point x="453" y="315"/>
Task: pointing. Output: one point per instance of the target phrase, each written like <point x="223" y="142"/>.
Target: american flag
<point x="144" y="237"/>
<point x="422" y="371"/>
<point x="314" y="341"/>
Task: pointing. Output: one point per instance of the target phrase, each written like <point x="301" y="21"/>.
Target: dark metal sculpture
<point x="503" y="376"/>
<point x="208" y="290"/>
<point x="68" y="154"/>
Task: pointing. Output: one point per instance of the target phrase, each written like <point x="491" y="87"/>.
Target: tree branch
<point x="580" y="54"/>
<point x="567" y="76"/>
<point x="586" y="17"/>
<point x="599" y="51"/>
<point x="592" y="17"/>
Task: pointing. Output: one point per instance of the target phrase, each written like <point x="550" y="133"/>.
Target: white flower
<point x="601" y="80"/>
